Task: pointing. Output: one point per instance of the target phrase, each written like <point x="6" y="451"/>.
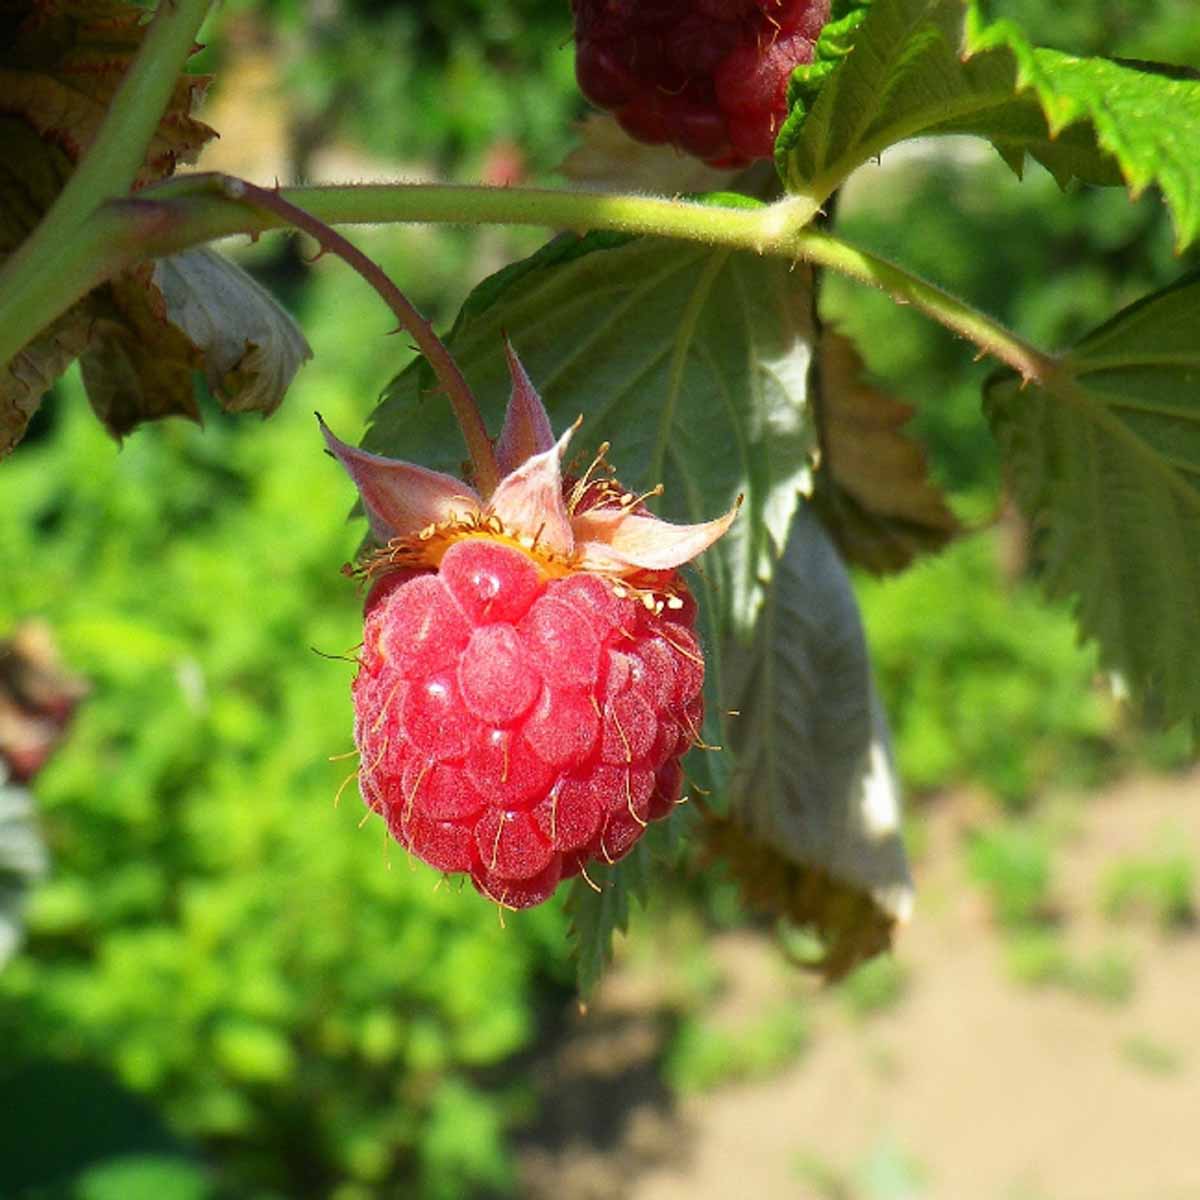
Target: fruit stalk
<point x="466" y="411"/>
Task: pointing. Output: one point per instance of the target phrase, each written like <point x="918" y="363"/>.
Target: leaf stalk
<point x="194" y="211"/>
<point x="462" y="400"/>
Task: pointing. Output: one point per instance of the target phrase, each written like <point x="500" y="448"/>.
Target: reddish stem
<point x="470" y="421"/>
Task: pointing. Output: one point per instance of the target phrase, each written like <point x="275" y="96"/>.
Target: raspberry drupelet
<point x="530" y="676"/>
<point x="709" y="77"/>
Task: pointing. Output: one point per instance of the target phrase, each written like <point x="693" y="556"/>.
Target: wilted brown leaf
<point x="60" y="63"/>
<point x="138" y="366"/>
<point x="27" y="378"/>
<point x="850" y="923"/>
<point x="31" y="176"/>
<point x="251" y="347"/>
<point x="874" y="492"/>
<point x="156" y="325"/>
<point x="62" y="60"/>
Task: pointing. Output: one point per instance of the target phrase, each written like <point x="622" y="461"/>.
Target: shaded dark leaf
<point x="873" y="492"/>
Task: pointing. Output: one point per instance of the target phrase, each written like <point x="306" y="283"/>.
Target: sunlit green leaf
<point x="922" y="67"/>
<point x="1107" y="467"/>
<point x="692" y="361"/>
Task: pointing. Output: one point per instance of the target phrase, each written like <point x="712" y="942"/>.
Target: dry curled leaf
<point x="251" y="347"/>
<point x="61" y="62"/>
<point x="848" y="922"/>
<point x="874" y="493"/>
<point x="31" y="373"/>
<point x="156" y="325"/>
<point x="31" y="174"/>
<point x="813" y="833"/>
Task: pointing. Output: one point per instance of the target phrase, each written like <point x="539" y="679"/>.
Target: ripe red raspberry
<point x="516" y="726"/>
<point x="708" y="76"/>
<point x="530" y="676"/>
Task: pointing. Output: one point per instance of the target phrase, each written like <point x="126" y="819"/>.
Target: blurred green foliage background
<point x="240" y="990"/>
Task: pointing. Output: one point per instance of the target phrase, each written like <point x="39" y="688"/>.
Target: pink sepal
<point x="401" y="498"/>
<point x="610" y="539"/>
<point x="527" y="429"/>
<point x="530" y="499"/>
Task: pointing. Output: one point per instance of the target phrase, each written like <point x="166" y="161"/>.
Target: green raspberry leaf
<point x="597" y="916"/>
<point x="836" y="41"/>
<point x="599" y="906"/>
<point x="921" y="67"/>
<point x="1106" y="464"/>
<point x="692" y="361"/>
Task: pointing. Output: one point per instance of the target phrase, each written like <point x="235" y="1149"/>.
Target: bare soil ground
<point x="972" y="1086"/>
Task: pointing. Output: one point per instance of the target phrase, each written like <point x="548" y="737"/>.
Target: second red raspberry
<point x="707" y="76"/>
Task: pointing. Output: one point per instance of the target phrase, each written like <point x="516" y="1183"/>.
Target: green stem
<point x="195" y="209"/>
<point x="108" y="169"/>
<point x="211" y="216"/>
<point x="782" y="229"/>
<point x="486" y="471"/>
<point x="825" y="250"/>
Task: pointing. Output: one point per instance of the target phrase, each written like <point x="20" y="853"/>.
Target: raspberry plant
<point x="684" y="330"/>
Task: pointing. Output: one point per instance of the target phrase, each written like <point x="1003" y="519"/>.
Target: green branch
<point x="189" y="210"/>
<point x="992" y="338"/>
<point x="211" y="214"/>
